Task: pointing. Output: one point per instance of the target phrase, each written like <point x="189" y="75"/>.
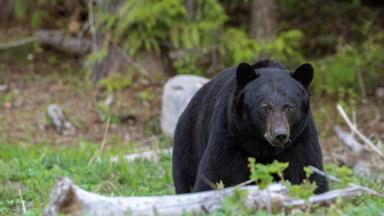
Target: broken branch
<point x="358" y="133"/>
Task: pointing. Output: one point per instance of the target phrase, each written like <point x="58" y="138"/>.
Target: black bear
<point x="261" y="111"/>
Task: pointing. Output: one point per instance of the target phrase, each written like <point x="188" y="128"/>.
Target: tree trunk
<point x="263" y="19"/>
<point x="6" y="10"/>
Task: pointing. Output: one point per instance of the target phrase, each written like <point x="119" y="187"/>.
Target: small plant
<point x="263" y="174"/>
<point x="146" y="96"/>
<point x="305" y="189"/>
<point x="36" y="9"/>
<point x="117" y="81"/>
<point x="234" y="204"/>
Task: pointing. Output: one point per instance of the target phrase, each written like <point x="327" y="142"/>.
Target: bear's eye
<point x="265" y="108"/>
<point x="289" y="108"/>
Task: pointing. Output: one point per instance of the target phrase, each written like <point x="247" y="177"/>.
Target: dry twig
<point x="102" y="145"/>
<point x="16" y="43"/>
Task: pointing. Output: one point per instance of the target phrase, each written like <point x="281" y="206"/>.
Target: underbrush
<point x="28" y="174"/>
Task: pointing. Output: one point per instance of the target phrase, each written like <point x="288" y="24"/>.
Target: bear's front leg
<point x="227" y="165"/>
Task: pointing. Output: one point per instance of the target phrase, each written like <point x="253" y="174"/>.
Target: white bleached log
<point x="148" y="155"/>
<point x="67" y="198"/>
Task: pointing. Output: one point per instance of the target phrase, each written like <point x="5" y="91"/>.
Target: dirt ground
<point x="49" y="78"/>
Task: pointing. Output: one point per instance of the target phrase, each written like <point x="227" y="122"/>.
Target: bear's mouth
<point x="277" y="141"/>
<point x="279" y="144"/>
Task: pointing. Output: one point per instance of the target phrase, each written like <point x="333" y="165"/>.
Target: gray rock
<point x="3" y="87"/>
<point x="58" y="119"/>
<point x="177" y="93"/>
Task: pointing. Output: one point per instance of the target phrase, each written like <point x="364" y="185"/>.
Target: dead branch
<point x="17" y="43"/>
<point x="318" y="171"/>
<point x="68" y="198"/>
<point x="358" y="133"/>
<point x="102" y="145"/>
<point x="92" y="27"/>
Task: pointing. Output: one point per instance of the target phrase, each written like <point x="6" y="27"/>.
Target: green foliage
<point x="338" y="74"/>
<point x="117" y="81"/>
<point x="236" y="46"/>
<point x="151" y="23"/>
<point x="234" y="204"/>
<point x="146" y="96"/>
<point x="155" y="25"/>
<point x="35" y="10"/>
<point x="188" y="64"/>
<point x="305" y="189"/>
<point x="105" y="113"/>
<point x="263" y="174"/>
<point x="20" y="8"/>
<point x="96" y="57"/>
<point x="344" y="173"/>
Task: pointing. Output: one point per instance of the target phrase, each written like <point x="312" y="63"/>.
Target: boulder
<point x="177" y="93"/>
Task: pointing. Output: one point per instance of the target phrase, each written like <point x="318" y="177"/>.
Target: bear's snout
<point x="278" y="130"/>
<point x="280" y="138"/>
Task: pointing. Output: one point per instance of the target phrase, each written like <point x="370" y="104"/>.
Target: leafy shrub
<point x="338" y="74"/>
<point x="158" y="25"/>
<point x="262" y="174"/>
<point x="35" y="10"/>
<point x="150" y="24"/>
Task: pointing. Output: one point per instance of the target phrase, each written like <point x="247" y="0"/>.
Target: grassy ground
<point x="33" y="155"/>
<point x="29" y="172"/>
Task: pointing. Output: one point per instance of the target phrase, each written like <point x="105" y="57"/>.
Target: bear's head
<point x="273" y="102"/>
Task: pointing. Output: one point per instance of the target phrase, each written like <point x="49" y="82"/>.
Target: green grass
<point x="34" y="169"/>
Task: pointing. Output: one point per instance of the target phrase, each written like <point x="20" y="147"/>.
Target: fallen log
<point x="67" y="198"/>
<point x="153" y="156"/>
<point x="63" y="42"/>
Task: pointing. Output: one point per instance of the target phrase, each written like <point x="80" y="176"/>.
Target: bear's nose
<point x="281" y="137"/>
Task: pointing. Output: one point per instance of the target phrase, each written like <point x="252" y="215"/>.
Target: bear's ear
<point x="304" y="74"/>
<point x="244" y="74"/>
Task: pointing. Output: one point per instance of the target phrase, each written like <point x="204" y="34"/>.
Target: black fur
<point x="223" y="125"/>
